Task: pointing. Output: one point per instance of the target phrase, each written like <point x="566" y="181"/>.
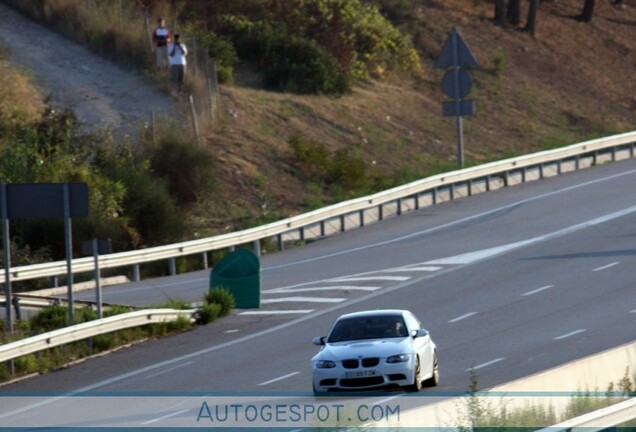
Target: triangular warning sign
<point x="455" y="52"/>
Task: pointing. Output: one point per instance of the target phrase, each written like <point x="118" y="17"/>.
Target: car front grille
<point x="355" y="363"/>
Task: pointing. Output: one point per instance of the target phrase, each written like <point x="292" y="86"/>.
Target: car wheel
<point x="417" y="381"/>
<point x="434" y="380"/>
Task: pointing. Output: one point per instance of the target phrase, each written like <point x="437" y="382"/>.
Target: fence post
<point x="195" y="122"/>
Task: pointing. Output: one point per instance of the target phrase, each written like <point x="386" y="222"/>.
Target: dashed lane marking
<point x="483" y="365"/>
<point x="279" y="378"/>
<point x="303" y="299"/>
<point x="277" y="312"/>
<point x="567" y="335"/>
<point x="606" y="266"/>
<point x="538" y="290"/>
<point x="370" y="278"/>
<point x="414" y="269"/>
<point x="459" y="318"/>
<point x="324" y="288"/>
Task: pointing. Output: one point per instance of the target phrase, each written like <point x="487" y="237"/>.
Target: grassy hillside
<point x="278" y="153"/>
<point x="572" y="82"/>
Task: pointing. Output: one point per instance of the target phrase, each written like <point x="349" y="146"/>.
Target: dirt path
<point x="100" y="93"/>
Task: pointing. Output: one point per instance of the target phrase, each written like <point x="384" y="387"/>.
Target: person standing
<point x="161" y="39"/>
<point x="177" y="52"/>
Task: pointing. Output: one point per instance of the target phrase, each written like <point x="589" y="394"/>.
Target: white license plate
<point x="360" y="374"/>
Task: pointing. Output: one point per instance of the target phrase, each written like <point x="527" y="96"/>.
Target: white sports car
<point x="374" y="349"/>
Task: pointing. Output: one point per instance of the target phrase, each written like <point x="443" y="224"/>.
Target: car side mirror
<point x="419" y="333"/>
<point x="320" y="341"/>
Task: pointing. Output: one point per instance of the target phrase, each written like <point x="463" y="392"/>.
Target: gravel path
<point x="100" y="93"/>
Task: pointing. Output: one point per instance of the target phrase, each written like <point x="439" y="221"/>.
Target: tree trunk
<point x="532" y="16"/>
<point x="514" y="12"/>
<point x="588" y="11"/>
<point x="500" y="12"/>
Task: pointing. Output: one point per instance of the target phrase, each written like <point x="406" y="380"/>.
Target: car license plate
<point x="360" y="374"/>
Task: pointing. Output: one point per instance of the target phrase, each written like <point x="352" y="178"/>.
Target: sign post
<point x="457" y="84"/>
<point x="41" y="200"/>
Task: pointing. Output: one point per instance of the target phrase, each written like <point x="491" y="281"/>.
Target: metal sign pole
<point x="69" y="252"/>
<point x="98" y="287"/>
<point x="8" y="296"/>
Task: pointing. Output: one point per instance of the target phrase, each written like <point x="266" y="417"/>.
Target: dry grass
<point x="20" y="102"/>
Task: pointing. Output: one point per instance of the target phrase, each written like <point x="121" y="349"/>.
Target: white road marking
<point x="303" y="299"/>
<point x="279" y="378"/>
<point x="278" y="312"/>
<point x="483" y="365"/>
<point x="414" y="269"/>
<point x="606" y="266"/>
<point x="174" y="414"/>
<point x="538" y="290"/>
<point x="381" y="401"/>
<point x="231" y="331"/>
<point x="325" y="288"/>
<point x="459" y="318"/>
<point x="634" y="311"/>
<point x="567" y="335"/>
<point x="569" y="230"/>
<point x="370" y="278"/>
<point x="169" y="370"/>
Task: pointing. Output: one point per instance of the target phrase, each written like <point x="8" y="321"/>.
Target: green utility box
<point x="240" y="273"/>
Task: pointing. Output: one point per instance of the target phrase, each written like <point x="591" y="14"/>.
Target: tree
<point x="588" y="11"/>
<point x="514" y="12"/>
<point x="500" y="12"/>
<point x="532" y="16"/>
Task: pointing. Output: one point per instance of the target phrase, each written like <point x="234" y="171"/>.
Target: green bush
<point x="187" y="168"/>
<point x="208" y="313"/>
<point x="50" y="318"/>
<point x="223" y="297"/>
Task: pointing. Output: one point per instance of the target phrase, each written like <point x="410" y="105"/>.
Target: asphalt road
<point x="509" y="283"/>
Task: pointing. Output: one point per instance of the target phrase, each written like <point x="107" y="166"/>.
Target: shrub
<point x="208" y="313"/>
<point x="186" y="167"/>
<point x="312" y="158"/>
<point x="50" y="318"/>
<point x="223" y="297"/>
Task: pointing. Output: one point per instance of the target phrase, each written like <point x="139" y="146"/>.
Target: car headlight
<point x="325" y="364"/>
<point x="398" y="358"/>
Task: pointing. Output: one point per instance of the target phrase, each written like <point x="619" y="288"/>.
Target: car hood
<point x="366" y="348"/>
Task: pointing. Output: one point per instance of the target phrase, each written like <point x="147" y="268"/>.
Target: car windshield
<point x="368" y="327"/>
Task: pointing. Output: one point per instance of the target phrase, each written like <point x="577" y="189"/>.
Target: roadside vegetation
<point x="488" y="413"/>
<point x="216" y="304"/>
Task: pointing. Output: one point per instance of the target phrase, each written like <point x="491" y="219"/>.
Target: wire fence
<point x="200" y="104"/>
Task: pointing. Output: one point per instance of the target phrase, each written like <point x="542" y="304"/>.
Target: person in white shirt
<point x="161" y="38"/>
<point x="177" y="52"/>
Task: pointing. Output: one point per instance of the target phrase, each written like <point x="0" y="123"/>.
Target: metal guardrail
<point x="599" y="420"/>
<point x="85" y="330"/>
<point x="320" y="223"/>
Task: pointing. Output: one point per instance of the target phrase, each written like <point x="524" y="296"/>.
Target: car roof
<point x="377" y="312"/>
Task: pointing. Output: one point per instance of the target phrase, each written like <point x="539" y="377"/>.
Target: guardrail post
<point x="256" y="246"/>
<point x="204" y="256"/>
<point x="451" y="192"/>
<point x="301" y="234"/>
<point x="279" y="240"/>
<point x="434" y="196"/>
<point x="487" y="183"/>
<point x="523" y="174"/>
<point x="361" y="218"/>
<point x="399" y="207"/>
<point x="136" y="273"/>
<point x="172" y="266"/>
<point x="343" y="228"/>
<point x="470" y="187"/>
<point x="380" y="212"/>
<point x="322" y="228"/>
